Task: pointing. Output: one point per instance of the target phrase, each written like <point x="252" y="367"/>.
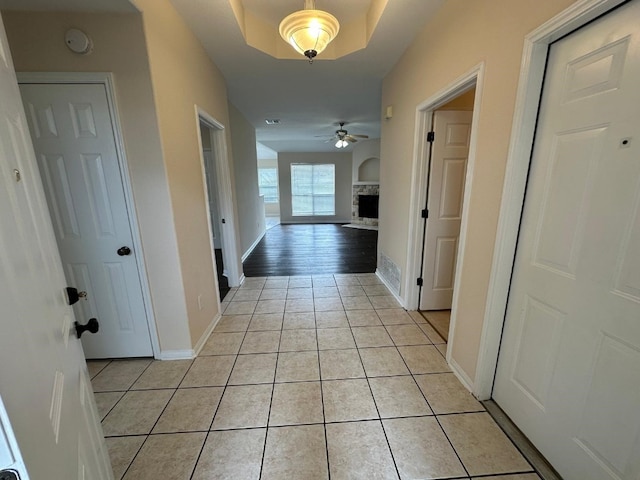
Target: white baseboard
<point x="205" y="336"/>
<point x="400" y="300"/>
<point x="460" y="374"/>
<point x="176" y="355"/>
<point x="252" y="247"/>
<point x="189" y="354"/>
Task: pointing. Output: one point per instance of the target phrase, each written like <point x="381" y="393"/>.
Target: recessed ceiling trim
<point x="261" y="34"/>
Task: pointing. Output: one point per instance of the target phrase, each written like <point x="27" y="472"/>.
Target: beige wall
<point x="37" y="44"/>
<point x="245" y="164"/>
<point x="461" y="35"/>
<point x="184" y="77"/>
<point x="342" y="162"/>
<point x="363" y="151"/>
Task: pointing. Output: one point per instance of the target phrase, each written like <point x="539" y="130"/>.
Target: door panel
<point x="568" y="372"/>
<point x="42" y="368"/>
<point x="446" y="189"/>
<point x="75" y="145"/>
<point x="212" y="190"/>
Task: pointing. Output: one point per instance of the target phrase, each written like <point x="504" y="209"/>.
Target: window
<point x="313" y="189"/>
<point x="268" y="184"/>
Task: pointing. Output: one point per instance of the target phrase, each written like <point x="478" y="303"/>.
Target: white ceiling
<point x="309" y="100"/>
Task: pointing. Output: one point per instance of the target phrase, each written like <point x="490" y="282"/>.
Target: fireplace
<point x="365" y="196"/>
<point x="368" y="206"/>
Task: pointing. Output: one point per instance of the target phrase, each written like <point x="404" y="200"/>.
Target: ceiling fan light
<point x="309" y="31"/>
<point x="339" y="144"/>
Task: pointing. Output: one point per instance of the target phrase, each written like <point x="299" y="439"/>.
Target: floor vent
<point x="390" y="272"/>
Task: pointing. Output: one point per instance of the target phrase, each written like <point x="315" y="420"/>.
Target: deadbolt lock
<point x="73" y="295"/>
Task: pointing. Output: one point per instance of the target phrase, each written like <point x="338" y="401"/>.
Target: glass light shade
<point x="342" y="144"/>
<point x="309" y="31"/>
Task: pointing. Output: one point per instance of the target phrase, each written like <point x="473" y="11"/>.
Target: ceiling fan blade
<point x="350" y="138"/>
<point x="360" y="136"/>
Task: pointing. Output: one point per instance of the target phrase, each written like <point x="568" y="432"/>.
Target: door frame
<point x="225" y="198"/>
<point x="419" y="187"/>
<point x="106" y="79"/>
<point x="534" y="58"/>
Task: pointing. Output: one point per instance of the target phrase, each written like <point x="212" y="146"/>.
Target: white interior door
<point x="569" y="368"/>
<point x="75" y="145"/>
<point x="44" y="384"/>
<point x="212" y="190"/>
<point x="446" y="190"/>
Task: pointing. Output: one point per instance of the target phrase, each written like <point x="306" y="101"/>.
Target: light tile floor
<point x="303" y="378"/>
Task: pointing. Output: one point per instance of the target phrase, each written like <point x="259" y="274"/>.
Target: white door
<point x="212" y="191"/>
<point x="446" y="188"/>
<point x="44" y="383"/>
<point x="74" y="142"/>
<point x="569" y="368"/>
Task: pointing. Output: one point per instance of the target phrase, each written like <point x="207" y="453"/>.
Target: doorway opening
<point x="268" y="185"/>
<point x="448" y="154"/>
<point x="213" y="202"/>
<point x="442" y="176"/>
<point x="219" y="201"/>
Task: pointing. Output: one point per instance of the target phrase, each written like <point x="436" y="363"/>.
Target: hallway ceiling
<point x="309" y="100"/>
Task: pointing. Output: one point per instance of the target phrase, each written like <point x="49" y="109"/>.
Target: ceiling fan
<point x="343" y="138"/>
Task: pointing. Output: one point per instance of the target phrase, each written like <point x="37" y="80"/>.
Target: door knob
<point x="92" y="326"/>
<point x="123" y="251"/>
<point x="9" y="475"/>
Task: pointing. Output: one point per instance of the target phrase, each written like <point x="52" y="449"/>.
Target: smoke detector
<point x="78" y="41"/>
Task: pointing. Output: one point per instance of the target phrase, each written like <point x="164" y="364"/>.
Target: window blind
<point x="312" y="189"/>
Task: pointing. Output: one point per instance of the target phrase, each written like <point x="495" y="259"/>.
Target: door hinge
<point x="419" y="282"/>
<point x="431" y="136"/>
<point x="425" y="213"/>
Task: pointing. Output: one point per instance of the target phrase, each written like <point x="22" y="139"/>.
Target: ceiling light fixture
<point x="342" y="143"/>
<point x="309" y="31"/>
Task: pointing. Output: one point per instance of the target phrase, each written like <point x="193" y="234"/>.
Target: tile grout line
<point x="429" y="405"/>
<point x="316" y="329"/>
<point x="324" y="417"/>
<point x="273" y="387"/>
<point x="375" y="404"/>
<point x="91" y="377"/>
<point x="145" y="435"/>
<point x="162" y="413"/>
<point x="224" y="389"/>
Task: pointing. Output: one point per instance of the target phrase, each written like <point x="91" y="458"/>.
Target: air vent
<point x="272" y="121"/>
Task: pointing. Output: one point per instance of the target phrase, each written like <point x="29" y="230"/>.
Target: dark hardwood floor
<point x="313" y="249"/>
